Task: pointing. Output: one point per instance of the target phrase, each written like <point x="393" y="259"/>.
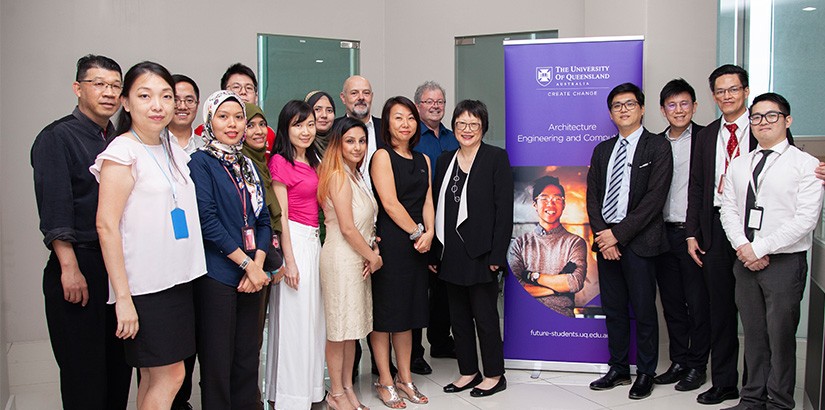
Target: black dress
<point x="399" y="288"/>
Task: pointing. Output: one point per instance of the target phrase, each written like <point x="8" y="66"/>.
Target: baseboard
<point x="10" y="404"/>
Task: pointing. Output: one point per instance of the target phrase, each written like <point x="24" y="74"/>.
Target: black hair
<point x="725" y="70"/>
<point x="544" y="182"/>
<point x="125" y="120"/>
<point x="238" y="68"/>
<point x="476" y="109"/>
<point x="676" y="87"/>
<point x="385" y="123"/>
<point x="180" y="78"/>
<point x="783" y="104"/>
<point x="90" y="61"/>
<point x="626" y="88"/>
<point x="300" y="111"/>
<point x="313" y="99"/>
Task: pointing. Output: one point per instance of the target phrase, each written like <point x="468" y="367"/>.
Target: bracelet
<point x="245" y="263"/>
<point x="419" y="230"/>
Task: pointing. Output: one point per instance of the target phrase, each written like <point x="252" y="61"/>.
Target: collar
<point x="634" y="136"/>
<point x="742" y="122"/>
<point x="88" y="121"/>
<point x="539" y="230"/>
<point x="685" y="134"/>
<point x="779" y="147"/>
<point x="426" y="129"/>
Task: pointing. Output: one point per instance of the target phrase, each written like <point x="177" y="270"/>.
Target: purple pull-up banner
<point x="556" y="113"/>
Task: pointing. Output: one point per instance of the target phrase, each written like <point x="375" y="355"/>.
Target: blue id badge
<point x="179" y="224"/>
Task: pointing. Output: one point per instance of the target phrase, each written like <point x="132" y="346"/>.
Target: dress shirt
<point x="742" y="135"/>
<point x="65" y="190"/>
<point x="789" y="192"/>
<point x="372" y="144"/>
<point x="195" y="142"/>
<point x="433" y="146"/>
<point x="675" y="209"/>
<point x="624" y="189"/>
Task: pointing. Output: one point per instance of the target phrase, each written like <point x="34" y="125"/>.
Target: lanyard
<point x="241" y="196"/>
<point x="168" y="166"/>
<point x="755" y="185"/>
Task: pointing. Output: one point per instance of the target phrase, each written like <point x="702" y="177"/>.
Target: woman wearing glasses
<point x="473" y="189"/>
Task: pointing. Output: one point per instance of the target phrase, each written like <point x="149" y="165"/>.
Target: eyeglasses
<point x="771" y="117"/>
<point x="237" y="87"/>
<point x="461" y="125"/>
<point x="430" y="101"/>
<point x="549" y="199"/>
<point x="629" y="105"/>
<point x="101" y="85"/>
<point x="734" y="91"/>
<point x="684" y="105"/>
<point x="188" y="101"/>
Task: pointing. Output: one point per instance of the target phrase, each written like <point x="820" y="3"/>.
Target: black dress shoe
<point x="181" y="406"/>
<point x="451" y="388"/>
<point x="692" y="380"/>
<point x="641" y="387"/>
<point x="612" y="379"/>
<point x="672" y="375"/>
<point x="500" y="386"/>
<point x="716" y="395"/>
<point x="420" y="366"/>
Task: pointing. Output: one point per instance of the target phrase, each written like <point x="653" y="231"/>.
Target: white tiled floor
<point x="33" y="376"/>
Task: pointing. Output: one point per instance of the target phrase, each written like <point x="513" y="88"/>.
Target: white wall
<point x="40" y="42"/>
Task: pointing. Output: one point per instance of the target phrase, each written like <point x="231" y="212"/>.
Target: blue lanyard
<point x="168" y="166"/>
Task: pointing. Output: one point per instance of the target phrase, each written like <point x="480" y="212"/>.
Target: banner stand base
<point x="537" y="366"/>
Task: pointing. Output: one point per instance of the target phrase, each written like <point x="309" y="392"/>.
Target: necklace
<point x="454" y="187"/>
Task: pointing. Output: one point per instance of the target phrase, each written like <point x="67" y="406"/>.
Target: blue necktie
<point x="616" y="177"/>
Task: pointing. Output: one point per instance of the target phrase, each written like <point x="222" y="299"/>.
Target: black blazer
<point x="376" y="122"/>
<point x="694" y="132"/>
<point x="643" y="228"/>
<point x="489" y="223"/>
<point x="700" y="187"/>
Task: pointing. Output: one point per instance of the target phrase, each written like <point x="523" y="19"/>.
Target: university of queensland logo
<point x="544" y="76"/>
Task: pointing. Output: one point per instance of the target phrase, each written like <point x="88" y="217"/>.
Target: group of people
<point x="172" y="243"/>
<point x="720" y="217"/>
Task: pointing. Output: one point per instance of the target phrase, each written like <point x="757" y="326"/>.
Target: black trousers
<point x="684" y="296"/>
<point x="93" y="370"/>
<point x="438" y="332"/>
<point x="474" y="310"/>
<point x="228" y="347"/>
<point x="724" y="325"/>
<point x="630" y="281"/>
<point x="770" y="315"/>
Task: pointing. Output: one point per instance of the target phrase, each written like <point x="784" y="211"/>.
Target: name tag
<point x="248" y="234"/>
<point x="754" y="217"/>
<point x="179" y="223"/>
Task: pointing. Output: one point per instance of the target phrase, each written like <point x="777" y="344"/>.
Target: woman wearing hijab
<point x="236" y="235"/>
<point x="147" y="219"/>
<point x="324" y="108"/>
<point x="295" y="360"/>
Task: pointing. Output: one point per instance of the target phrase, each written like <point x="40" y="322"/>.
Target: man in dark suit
<point x="627" y="186"/>
<point x="682" y="286"/>
<point x="721" y="141"/>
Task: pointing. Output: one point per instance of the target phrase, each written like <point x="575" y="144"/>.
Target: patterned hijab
<point x="241" y="167"/>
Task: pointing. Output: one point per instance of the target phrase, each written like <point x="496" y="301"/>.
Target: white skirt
<point x="296" y="332"/>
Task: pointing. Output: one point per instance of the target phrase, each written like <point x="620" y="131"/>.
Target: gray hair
<point x="428" y="85"/>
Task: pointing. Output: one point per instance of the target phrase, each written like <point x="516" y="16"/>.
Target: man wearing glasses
<point x="682" y="286"/>
<point x="550" y="262"/>
<point x="627" y="186"/>
<point x="721" y="141"/>
<point x="770" y="205"/>
<point x="435" y="139"/>
<point x="93" y="370"/>
<point x="187" y="96"/>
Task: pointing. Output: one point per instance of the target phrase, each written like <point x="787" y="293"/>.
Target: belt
<point x="675" y="225"/>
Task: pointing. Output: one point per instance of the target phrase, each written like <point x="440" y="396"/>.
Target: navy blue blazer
<point x="221" y="218"/>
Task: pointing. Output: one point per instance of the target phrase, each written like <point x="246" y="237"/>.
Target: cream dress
<point x="347" y="295"/>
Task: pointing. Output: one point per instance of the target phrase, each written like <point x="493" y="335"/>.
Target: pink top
<point x="301" y="189"/>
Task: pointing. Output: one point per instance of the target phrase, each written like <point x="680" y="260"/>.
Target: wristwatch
<point x="419" y="230"/>
<point x="245" y="263"/>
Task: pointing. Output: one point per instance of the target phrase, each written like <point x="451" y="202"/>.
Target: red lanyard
<point x="240" y="196"/>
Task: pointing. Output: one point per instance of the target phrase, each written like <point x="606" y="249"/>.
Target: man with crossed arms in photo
<point x="770" y="206"/>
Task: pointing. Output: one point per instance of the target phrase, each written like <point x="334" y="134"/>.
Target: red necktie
<point x="733" y="143"/>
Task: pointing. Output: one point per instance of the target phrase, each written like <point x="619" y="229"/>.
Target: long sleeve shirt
<point x="65" y="190"/>
<point x="789" y="192"/>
